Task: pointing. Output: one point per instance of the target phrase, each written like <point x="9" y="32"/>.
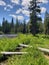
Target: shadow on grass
<point x="4" y="58"/>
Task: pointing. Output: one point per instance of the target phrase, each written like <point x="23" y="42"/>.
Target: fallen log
<point x="43" y="49"/>
<point x="13" y="53"/>
<point x="23" y="45"/>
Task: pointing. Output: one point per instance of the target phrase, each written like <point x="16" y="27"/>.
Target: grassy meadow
<point x="34" y="56"/>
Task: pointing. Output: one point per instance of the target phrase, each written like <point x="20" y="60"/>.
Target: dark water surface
<point x="8" y="35"/>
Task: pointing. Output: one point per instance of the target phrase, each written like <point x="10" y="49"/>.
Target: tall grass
<point x="34" y="56"/>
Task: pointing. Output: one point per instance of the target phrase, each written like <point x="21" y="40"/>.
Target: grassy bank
<point x="34" y="56"/>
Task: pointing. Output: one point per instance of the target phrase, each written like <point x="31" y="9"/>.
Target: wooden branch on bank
<point x="13" y="53"/>
<point x="23" y="45"/>
<point x="43" y="49"/>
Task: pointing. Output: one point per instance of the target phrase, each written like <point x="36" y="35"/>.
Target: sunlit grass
<point x="34" y="56"/>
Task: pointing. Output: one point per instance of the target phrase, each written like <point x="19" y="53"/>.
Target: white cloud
<point x="20" y="17"/>
<point x="2" y="3"/>
<point x="43" y="1"/>
<point x="5" y="8"/>
<point x="23" y="11"/>
<point x="43" y="9"/>
<point x="18" y="11"/>
<point x="25" y="3"/>
<point x="12" y="15"/>
<point x="8" y="7"/>
<point x="26" y="12"/>
<point x="15" y="1"/>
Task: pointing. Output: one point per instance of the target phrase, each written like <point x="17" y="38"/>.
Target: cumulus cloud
<point x="26" y="12"/>
<point x="2" y="3"/>
<point x="15" y="1"/>
<point x="23" y="11"/>
<point x="20" y="17"/>
<point x="25" y="3"/>
<point x="12" y="15"/>
<point x="18" y="11"/>
<point x="43" y="9"/>
<point x="4" y="8"/>
<point x="8" y="7"/>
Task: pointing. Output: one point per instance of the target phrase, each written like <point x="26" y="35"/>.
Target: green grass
<point x="34" y="56"/>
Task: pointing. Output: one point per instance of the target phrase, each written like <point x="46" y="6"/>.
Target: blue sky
<point x="19" y="9"/>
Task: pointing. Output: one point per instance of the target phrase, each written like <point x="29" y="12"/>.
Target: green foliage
<point x="24" y="27"/>
<point x="17" y="26"/>
<point x="41" y="27"/>
<point x="46" y="23"/>
<point x="11" y="28"/>
<point x="5" y="26"/>
<point x="33" y="17"/>
<point x="34" y="56"/>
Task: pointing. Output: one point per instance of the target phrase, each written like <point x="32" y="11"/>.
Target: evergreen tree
<point x="0" y="27"/>
<point x="21" y="27"/>
<point x="27" y="27"/>
<point x="46" y="23"/>
<point x="24" y="27"/>
<point x="17" y="26"/>
<point x="41" y="27"/>
<point x="12" y="26"/>
<point x="5" y="26"/>
<point x="34" y="8"/>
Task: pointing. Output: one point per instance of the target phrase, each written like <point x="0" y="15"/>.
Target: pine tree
<point x="24" y="27"/>
<point x="17" y="26"/>
<point x="41" y="27"/>
<point x="5" y="26"/>
<point x="46" y="23"/>
<point x="34" y="8"/>
<point x="12" y="26"/>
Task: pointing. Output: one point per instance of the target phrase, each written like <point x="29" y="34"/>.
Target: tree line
<point x="12" y="28"/>
<point x="23" y="27"/>
<point x="34" y="25"/>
